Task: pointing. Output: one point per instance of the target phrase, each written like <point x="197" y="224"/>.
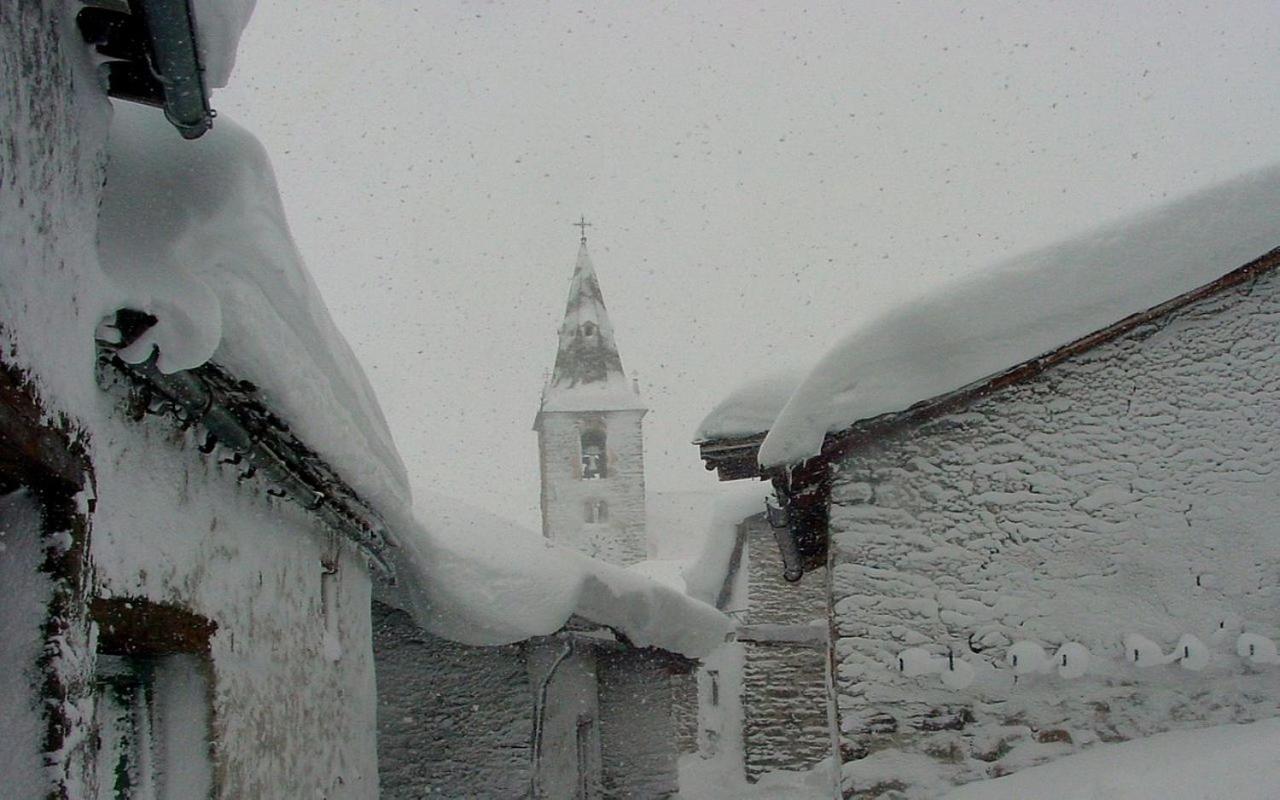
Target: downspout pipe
<point x="175" y="59"/>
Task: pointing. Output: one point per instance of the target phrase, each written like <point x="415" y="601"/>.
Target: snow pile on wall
<point x="1027" y="306"/>
<point x="705" y="575"/>
<point x="478" y="579"/>
<point x="219" y="24"/>
<point x="1232" y="761"/>
<point x="693" y="535"/>
<point x="194" y="233"/>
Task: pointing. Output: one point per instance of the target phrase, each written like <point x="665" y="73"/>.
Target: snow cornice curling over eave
<point x="240" y="429"/>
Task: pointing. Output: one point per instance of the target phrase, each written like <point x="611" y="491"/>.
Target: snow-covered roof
<point x="694" y="533"/>
<point x="1019" y="309"/>
<point x="194" y="233"/>
<point x="476" y="578"/>
<point x="588" y="374"/>
<point x="750" y="409"/>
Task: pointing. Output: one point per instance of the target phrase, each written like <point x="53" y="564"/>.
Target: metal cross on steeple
<point x="582" y="225"/>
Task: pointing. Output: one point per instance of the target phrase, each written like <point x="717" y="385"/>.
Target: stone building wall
<point x="1129" y="490"/>
<point x="565" y="674"/>
<point x="638" y="734"/>
<point x="620" y="538"/>
<point x="684" y="710"/>
<point x="786" y="724"/>
<point x="453" y="720"/>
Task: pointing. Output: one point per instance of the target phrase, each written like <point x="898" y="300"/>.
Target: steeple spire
<point x="587" y="361"/>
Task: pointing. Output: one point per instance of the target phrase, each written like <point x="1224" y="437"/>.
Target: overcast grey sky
<point x="759" y="176"/>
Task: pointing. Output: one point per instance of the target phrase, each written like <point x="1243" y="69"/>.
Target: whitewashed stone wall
<point x="173" y="526"/>
<point x="620" y="539"/>
<point x="1130" y="490"/>
<point x="453" y="720"/>
<point x="785" y="697"/>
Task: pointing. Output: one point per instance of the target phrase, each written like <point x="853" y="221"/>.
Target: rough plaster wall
<point x="453" y="720"/>
<point x="174" y="526"/>
<point x="1130" y="490"/>
<point x="621" y="539"/>
<point x="563" y="676"/>
<point x="785" y="724"/>
<point x="52" y="155"/>
<point x="638" y="737"/>
<point x="22" y="615"/>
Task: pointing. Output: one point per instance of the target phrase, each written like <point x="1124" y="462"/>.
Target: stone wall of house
<point x="620" y="537"/>
<point x="771" y="599"/>
<point x="293" y="693"/>
<point x="564" y="672"/>
<point x="638" y="736"/>
<point x="453" y="720"/>
<point x="785" y="698"/>
<point x="1130" y="490"/>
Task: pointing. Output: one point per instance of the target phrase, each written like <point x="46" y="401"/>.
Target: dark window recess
<point x="154" y="711"/>
<point x="593" y="454"/>
<point x="586" y="786"/>
<point x="596" y="511"/>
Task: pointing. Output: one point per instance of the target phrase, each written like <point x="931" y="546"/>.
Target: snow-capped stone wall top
<point x="1026" y="307"/>
<point x="588" y="374"/>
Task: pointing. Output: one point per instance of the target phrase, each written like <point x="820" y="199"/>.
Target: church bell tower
<point x="590" y="439"/>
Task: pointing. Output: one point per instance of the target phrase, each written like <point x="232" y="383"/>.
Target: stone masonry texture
<point x="1129" y="490"/>
<point x="453" y="720"/>
<point x="620" y="538"/>
<point x="785" y="720"/>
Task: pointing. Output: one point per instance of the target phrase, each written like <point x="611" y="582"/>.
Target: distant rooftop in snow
<point x="588" y="374"/>
<point x="1019" y="309"/>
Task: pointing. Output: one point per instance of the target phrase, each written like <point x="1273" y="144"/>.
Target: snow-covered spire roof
<point x="588" y="374"/>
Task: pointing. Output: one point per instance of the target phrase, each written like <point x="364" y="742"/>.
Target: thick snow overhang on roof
<point x="1023" y="317"/>
<point x="478" y="579"/>
<point x="1028" y="308"/>
<point x="1008" y="323"/>
<point x="194" y="234"/>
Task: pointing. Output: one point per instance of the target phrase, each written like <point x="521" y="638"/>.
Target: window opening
<point x="597" y="511"/>
<point x="154" y="712"/>
<point x="593" y="454"/>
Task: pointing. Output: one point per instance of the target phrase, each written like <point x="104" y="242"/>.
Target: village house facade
<point x="1074" y="550"/>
